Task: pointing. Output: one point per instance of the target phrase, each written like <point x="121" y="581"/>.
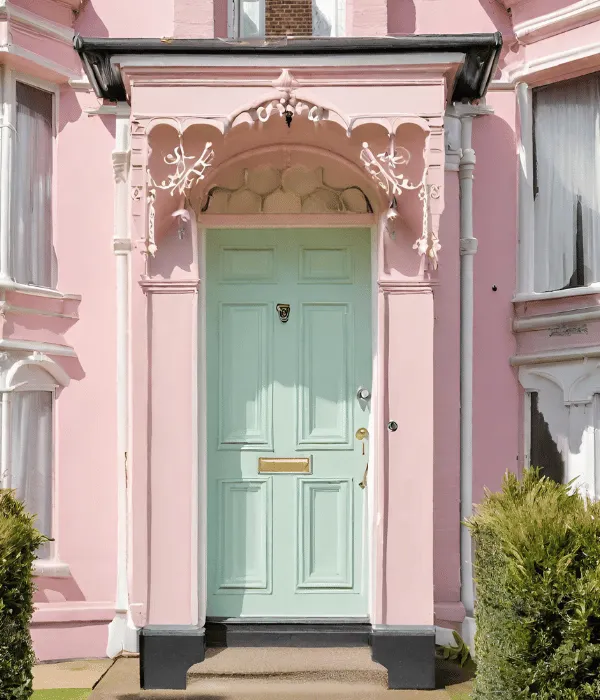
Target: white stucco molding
<point x="30" y="372"/>
<point x="557" y="22"/>
<point x="528" y="70"/>
<point x="17" y="18"/>
<point x="10" y="11"/>
<point x="578" y="381"/>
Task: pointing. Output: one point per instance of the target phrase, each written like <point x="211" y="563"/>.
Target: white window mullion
<point x="8" y="114"/>
<point x="526" y="196"/>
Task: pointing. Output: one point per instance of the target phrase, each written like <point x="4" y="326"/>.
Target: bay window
<point x="566" y="184"/>
<point x="26" y="171"/>
<point x="28" y="385"/>
<point x="31" y="456"/>
<point x="31" y="187"/>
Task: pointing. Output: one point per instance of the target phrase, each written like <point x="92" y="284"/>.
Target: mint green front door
<point x="289" y="543"/>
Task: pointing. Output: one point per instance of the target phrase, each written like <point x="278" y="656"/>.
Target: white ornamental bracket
<point x="189" y="170"/>
<point x="386" y="170"/>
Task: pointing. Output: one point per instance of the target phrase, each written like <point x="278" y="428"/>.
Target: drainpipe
<point x="468" y="248"/>
<point x="122" y="633"/>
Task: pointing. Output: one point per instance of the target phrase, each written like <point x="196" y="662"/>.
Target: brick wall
<point x="288" y="17"/>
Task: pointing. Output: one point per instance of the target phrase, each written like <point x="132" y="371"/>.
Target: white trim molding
<point x="559" y="21"/>
<point x="562" y="355"/>
<point x="528" y="70"/>
<point x="552" y="320"/>
<point x="10" y="11"/>
<point x="17" y="18"/>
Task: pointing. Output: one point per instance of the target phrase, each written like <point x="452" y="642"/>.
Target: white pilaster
<point x="526" y="194"/>
<point x="122" y="633"/>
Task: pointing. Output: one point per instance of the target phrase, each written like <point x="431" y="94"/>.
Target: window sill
<point x="12" y="286"/>
<point x="51" y="568"/>
<point x="558" y="294"/>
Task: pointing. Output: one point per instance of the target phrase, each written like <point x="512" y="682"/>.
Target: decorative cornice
<point x="552" y="321"/>
<point x="152" y="286"/>
<point x="557" y="22"/>
<point x="406" y="287"/>
<point x="562" y="355"/>
<point x="42" y="26"/>
<point x="528" y="69"/>
<point x="36" y="346"/>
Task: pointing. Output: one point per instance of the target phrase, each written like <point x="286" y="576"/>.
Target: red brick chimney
<point x="288" y="18"/>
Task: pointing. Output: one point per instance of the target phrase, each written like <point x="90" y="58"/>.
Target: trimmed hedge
<point x="537" y="571"/>
<point x="19" y="541"/>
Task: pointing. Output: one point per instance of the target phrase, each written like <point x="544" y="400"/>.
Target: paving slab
<point x="84" y="673"/>
<point x="232" y="676"/>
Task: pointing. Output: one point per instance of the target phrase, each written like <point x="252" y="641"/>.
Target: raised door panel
<point x="324" y="406"/>
<point x="245" y="366"/>
<point x="326" y="265"/>
<point x="245" y="534"/>
<point x="248" y="265"/>
<point x="325" y="529"/>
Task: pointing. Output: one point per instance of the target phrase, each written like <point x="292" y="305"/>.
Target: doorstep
<point x="272" y="674"/>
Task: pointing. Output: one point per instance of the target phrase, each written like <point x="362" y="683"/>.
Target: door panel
<point x="284" y="544"/>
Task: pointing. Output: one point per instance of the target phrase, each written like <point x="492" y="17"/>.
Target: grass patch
<point x="62" y="694"/>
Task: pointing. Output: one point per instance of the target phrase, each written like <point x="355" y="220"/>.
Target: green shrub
<point x="19" y="541"/>
<point x="537" y="571"/>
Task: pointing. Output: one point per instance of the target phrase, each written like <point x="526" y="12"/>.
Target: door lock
<point x="363" y="394"/>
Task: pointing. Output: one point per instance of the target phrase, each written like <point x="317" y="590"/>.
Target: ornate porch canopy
<point x="373" y="103"/>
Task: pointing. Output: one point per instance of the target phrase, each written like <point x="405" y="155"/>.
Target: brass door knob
<point x="361" y="434"/>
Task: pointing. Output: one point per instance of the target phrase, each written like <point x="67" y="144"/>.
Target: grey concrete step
<point x="291" y="665"/>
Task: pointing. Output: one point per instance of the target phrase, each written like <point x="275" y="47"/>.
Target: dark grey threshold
<point x="288" y="633"/>
<point x="167" y="652"/>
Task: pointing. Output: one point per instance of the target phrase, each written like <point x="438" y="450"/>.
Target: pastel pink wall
<point x="496" y="445"/>
<point x="86" y="446"/>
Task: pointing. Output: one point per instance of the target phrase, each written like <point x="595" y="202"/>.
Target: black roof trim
<point x="481" y="51"/>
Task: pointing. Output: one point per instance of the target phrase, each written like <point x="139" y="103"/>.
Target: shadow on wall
<point x="502" y="21"/>
<point x="402" y="17"/>
<point x="89" y="23"/>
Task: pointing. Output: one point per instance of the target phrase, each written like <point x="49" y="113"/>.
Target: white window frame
<point x="234" y="15"/>
<point x="526" y="203"/>
<point x="233" y="18"/>
<point x="580" y="385"/>
<point x="14" y="369"/>
<point x="8" y="104"/>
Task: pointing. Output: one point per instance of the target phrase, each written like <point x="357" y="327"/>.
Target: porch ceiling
<point x="477" y="55"/>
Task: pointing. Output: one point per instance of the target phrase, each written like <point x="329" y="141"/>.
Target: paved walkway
<point x="247" y="674"/>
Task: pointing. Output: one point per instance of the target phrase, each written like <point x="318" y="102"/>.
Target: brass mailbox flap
<point x="284" y="465"/>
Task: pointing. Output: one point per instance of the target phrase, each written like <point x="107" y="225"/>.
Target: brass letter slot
<point x="284" y="465"/>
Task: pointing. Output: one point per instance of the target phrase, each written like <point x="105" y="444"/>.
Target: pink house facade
<point x="274" y="313"/>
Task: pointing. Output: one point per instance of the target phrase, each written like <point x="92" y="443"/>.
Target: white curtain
<point x="567" y="149"/>
<point x="31" y="455"/>
<point x="251" y="19"/>
<point x="327" y="17"/>
<point x="31" y="213"/>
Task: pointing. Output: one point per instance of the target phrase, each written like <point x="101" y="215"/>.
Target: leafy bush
<point x="19" y="541"/>
<point x="537" y="570"/>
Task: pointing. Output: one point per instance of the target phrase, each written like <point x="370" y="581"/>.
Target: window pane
<point x="31" y="455"/>
<point x="250" y="19"/>
<point x="567" y="173"/>
<point x="543" y="450"/>
<point x="31" y="213"/>
<point x="327" y="17"/>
